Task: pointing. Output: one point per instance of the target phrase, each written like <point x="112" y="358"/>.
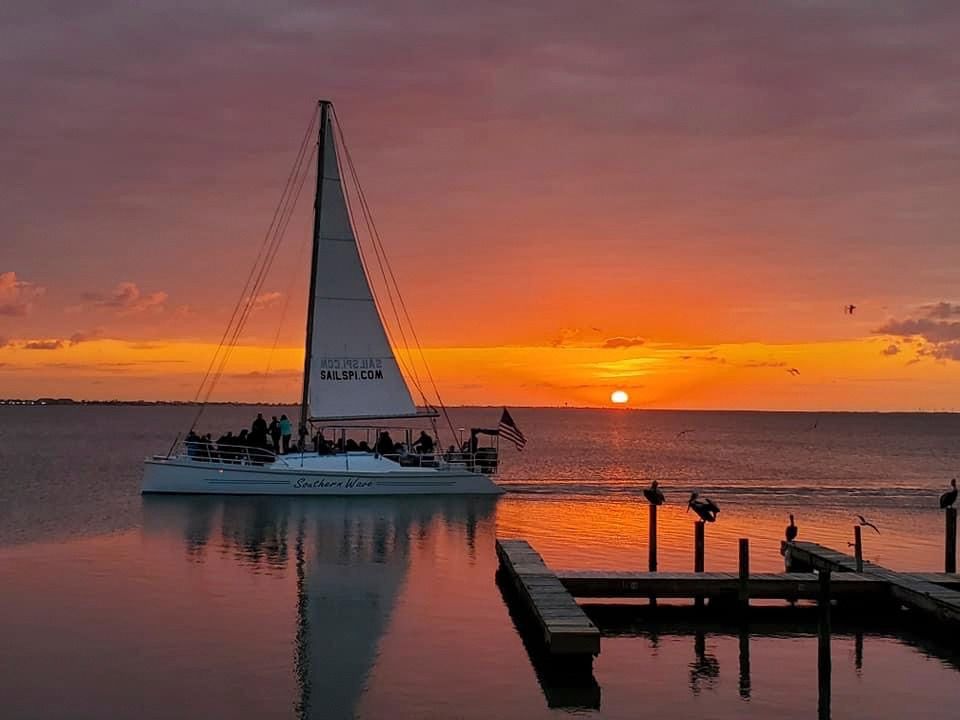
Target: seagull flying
<point x="866" y="523"/>
<point x="793" y="371"/>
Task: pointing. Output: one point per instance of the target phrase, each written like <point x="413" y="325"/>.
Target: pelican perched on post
<point x="706" y="509"/>
<point x="950" y="496"/>
<point x="791" y="531"/>
<point x="654" y="494"/>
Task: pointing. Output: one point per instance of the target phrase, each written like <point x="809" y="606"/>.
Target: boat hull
<point x="181" y="475"/>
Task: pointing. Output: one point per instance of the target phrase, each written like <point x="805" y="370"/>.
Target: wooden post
<point x="699" y="546"/>
<point x="858" y="548"/>
<point x="653" y="538"/>
<point x="824" y="663"/>
<point x="950" y="542"/>
<point x="744" y="589"/>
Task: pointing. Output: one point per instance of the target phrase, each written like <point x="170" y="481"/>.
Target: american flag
<point x="508" y="429"/>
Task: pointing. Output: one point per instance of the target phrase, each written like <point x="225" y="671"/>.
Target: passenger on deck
<point x="320" y="444"/>
<point x="274" y="429"/>
<point x="258" y="432"/>
<point x="364" y="446"/>
<point x="384" y="444"/>
<point x="424" y="444"/>
<point x="286" y="431"/>
<point x="193" y="444"/>
<point x="352" y="445"/>
<point x="225" y="446"/>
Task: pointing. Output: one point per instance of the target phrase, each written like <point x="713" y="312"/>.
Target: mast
<point x="311" y="298"/>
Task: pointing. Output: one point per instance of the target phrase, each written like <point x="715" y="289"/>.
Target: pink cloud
<point x="17" y="296"/>
<point x="127" y="298"/>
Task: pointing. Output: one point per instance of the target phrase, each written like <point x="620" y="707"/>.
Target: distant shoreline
<point x="70" y="402"/>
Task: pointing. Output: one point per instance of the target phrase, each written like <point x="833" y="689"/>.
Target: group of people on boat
<point x="265" y="440"/>
<point x="261" y="440"/>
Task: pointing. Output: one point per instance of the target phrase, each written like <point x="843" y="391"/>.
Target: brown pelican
<point x="866" y="523"/>
<point x="849" y="309"/>
<point x="950" y="496"/>
<point x="654" y="494"/>
<point x="791" y="531"/>
<point x="706" y="509"/>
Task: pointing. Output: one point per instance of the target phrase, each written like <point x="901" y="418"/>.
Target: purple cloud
<point x="43" y="345"/>
<point x="622" y="342"/>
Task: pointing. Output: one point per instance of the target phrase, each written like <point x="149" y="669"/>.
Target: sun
<point x="619" y="397"/>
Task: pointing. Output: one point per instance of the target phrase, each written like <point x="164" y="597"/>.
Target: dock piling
<point x="858" y="547"/>
<point x="652" y="561"/>
<point x="699" y="548"/>
<point x="950" y="541"/>
<point x="743" y="592"/>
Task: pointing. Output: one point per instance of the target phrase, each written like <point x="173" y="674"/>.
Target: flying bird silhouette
<point x="793" y="371"/>
<point x="866" y="523"/>
<point x="950" y="496"/>
<point x="654" y="494"/>
<point x="683" y="432"/>
<point x="849" y="309"/>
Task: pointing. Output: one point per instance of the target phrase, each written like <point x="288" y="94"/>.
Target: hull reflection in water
<point x="351" y="558"/>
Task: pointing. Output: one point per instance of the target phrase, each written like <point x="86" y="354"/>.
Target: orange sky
<point x="703" y="188"/>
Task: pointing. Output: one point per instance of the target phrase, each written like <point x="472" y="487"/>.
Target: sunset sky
<point x="672" y="198"/>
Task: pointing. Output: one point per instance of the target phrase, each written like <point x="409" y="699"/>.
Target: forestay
<point x="353" y="371"/>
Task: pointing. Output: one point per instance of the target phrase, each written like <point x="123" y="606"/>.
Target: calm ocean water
<point x="117" y="605"/>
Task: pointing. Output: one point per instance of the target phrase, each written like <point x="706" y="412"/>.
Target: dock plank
<point x="566" y="629"/>
<point x="761" y="586"/>
<point x="910" y="589"/>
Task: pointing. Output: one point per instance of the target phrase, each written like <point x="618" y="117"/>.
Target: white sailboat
<point x="351" y="374"/>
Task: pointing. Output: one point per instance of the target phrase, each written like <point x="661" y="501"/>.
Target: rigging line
<point x="265" y="270"/>
<point x="286" y="300"/>
<point x="409" y="365"/>
<point x="412" y="374"/>
<point x="286" y="189"/>
<point x="415" y="377"/>
<point x="250" y="302"/>
<point x="377" y="241"/>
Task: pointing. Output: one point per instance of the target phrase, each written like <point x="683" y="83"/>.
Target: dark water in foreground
<point x="121" y="606"/>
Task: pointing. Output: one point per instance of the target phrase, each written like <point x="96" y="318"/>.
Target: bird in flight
<point x="866" y="523"/>
<point x="683" y="432"/>
<point x="793" y="371"/>
<point x="849" y="309"/>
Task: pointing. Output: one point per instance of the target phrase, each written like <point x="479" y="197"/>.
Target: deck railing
<point x="484" y="460"/>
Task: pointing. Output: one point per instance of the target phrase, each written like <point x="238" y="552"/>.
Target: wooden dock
<point x="565" y="629"/>
<point x="914" y="590"/>
<point x="760" y="586"/>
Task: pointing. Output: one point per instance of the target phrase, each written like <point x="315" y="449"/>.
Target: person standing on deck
<point x="258" y="432"/>
<point x="274" y="430"/>
<point x="286" y="432"/>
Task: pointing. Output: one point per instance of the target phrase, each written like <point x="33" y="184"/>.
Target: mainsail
<point x="351" y="369"/>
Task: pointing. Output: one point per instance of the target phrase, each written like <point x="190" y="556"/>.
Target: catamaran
<point x="351" y="375"/>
